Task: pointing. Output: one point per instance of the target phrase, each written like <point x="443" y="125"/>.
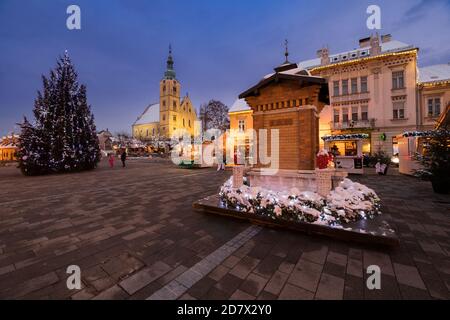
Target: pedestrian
<point x="221" y="164"/>
<point x="123" y="157"/>
<point x="111" y="160"/>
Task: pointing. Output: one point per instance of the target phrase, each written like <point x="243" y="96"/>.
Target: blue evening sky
<point x="221" y="47"/>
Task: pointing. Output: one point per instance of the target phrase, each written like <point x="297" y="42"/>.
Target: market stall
<point x="410" y="145"/>
<point x="347" y="150"/>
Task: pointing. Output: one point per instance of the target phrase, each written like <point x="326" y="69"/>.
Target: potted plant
<point x="436" y="160"/>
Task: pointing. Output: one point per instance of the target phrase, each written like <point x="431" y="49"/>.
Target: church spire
<point x="170" y="72"/>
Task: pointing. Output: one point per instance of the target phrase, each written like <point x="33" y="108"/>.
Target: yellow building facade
<point x="172" y="113"/>
<point x="434" y="94"/>
<point x="241" y="116"/>
<point x="241" y="124"/>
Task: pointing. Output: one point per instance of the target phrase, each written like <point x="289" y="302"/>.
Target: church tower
<point x="169" y="100"/>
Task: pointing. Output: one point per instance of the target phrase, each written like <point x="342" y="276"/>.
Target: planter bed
<point x="373" y="231"/>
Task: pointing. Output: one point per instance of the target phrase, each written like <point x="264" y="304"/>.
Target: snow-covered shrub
<point x="348" y="202"/>
<point x="351" y="201"/>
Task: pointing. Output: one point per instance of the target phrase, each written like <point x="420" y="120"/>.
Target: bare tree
<point x="214" y="115"/>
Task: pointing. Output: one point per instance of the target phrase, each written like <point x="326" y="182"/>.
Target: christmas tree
<point x="63" y="137"/>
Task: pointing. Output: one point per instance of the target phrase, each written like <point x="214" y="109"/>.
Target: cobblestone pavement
<point x="134" y="235"/>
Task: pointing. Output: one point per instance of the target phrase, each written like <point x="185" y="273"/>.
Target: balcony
<point x="353" y="124"/>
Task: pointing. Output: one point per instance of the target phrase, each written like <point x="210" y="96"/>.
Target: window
<point x="345" y="115"/>
<point x="364" y="113"/>
<point x="174" y="89"/>
<point x="164" y="117"/>
<point x="164" y="103"/>
<point x="174" y="118"/>
<point x="354" y="113"/>
<point x="153" y="132"/>
<point x="164" y="89"/>
<point x="345" y="86"/>
<point x="146" y="134"/>
<point x="174" y="105"/>
<point x="183" y="123"/>
<point x="364" y="84"/>
<point x="242" y="125"/>
<point x="398" y="81"/>
<point x="354" y="85"/>
<point x="399" y="110"/>
<point x="335" y="88"/>
<point x="189" y="122"/>
<point x="336" y="116"/>
<point x="434" y="107"/>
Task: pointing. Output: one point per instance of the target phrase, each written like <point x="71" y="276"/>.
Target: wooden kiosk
<point x="347" y="151"/>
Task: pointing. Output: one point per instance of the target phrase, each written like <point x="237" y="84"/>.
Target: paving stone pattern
<point x="134" y="235"/>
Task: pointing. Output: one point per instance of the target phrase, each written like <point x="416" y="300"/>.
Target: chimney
<point x="364" y="42"/>
<point x="386" y="38"/>
<point x="324" y="56"/>
<point x="375" y="47"/>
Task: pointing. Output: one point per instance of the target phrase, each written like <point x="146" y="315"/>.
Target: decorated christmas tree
<point x="63" y="137"/>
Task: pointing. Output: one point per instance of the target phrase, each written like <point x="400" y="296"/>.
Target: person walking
<point x="111" y="160"/>
<point x="221" y="164"/>
<point x="123" y="157"/>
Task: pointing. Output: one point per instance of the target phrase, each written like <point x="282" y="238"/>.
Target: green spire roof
<point x="170" y="73"/>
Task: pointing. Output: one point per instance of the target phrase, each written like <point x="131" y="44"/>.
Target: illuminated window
<point x="242" y="125"/>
